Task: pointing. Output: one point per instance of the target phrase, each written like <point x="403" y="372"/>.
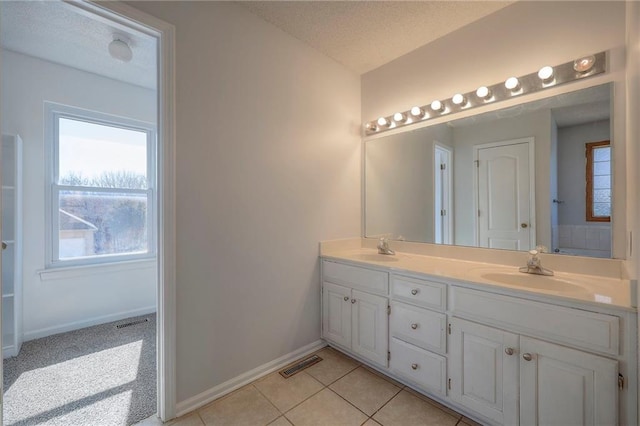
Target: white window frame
<point x="53" y="113"/>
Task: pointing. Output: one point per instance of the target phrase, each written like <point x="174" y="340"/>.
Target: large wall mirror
<point x="539" y="173"/>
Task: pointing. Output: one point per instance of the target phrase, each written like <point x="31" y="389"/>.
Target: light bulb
<point x="372" y="127"/>
<point x="437" y="106"/>
<point x="483" y="92"/>
<point x="512" y="84"/>
<point x="459" y="99"/>
<point x="417" y="111"/>
<point x="584" y="64"/>
<point x="399" y="117"/>
<point x="546" y="74"/>
<point x="383" y="122"/>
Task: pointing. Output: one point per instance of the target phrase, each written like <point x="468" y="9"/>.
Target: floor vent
<point x="129" y="324"/>
<point x="299" y="366"/>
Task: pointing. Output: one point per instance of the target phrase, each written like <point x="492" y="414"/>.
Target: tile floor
<point x="336" y="391"/>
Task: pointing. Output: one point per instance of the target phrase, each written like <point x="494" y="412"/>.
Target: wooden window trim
<point x="589" y="187"/>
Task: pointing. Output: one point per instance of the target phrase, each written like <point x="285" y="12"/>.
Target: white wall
<point x="515" y="40"/>
<point x="571" y="172"/>
<point x="268" y="164"/>
<point x="536" y="125"/>
<point x="77" y="299"/>
<point x="399" y="184"/>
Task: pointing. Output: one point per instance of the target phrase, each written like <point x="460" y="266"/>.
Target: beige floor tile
<point x="287" y="393"/>
<point x="465" y="421"/>
<point x="325" y="408"/>
<point x="246" y="406"/>
<point x="333" y="366"/>
<point x="371" y="422"/>
<point x="433" y="402"/>
<point x="387" y="378"/>
<point x="191" y="419"/>
<point x="365" y="390"/>
<point x="407" y="409"/>
<point x="281" y="421"/>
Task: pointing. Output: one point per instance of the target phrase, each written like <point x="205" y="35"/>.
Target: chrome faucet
<point x="383" y="247"/>
<point x="534" y="265"/>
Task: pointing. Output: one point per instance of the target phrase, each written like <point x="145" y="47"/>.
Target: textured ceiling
<point x="363" y="35"/>
<point x="57" y="32"/>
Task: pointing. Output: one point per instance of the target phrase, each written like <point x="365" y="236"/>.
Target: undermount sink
<point x="375" y="257"/>
<point x="539" y="282"/>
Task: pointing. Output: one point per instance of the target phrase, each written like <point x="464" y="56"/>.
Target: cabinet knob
<point x="353" y="300"/>
<point x="414" y="291"/>
<point x="414" y="366"/>
<point x="524" y="225"/>
<point x="508" y="351"/>
<point x="527" y="357"/>
<point x="414" y="326"/>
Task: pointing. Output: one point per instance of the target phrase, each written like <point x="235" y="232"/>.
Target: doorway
<point x="122" y="20"/>
<point x="443" y="194"/>
<point x="505" y="194"/>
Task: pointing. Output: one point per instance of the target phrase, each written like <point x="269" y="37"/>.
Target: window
<point x="598" y="182"/>
<point x="102" y="180"/>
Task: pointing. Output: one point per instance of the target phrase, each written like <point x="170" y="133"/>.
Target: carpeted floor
<point x="96" y="376"/>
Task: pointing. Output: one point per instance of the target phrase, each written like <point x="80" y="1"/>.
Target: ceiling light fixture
<point x="119" y="48"/>
<point x="483" y="92"/>
<point x="437" y="106"/>
<point x="583" y="67"/>
<point x="546" y="74"/>
<point x="399" y="117"/>
<point x="584" y="64"/>
<point x="417" y="112"/>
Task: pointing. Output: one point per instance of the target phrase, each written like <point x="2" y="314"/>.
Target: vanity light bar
<point x="546" y="77"/>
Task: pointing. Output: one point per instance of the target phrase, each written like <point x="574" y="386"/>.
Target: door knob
<point x="414" y="326"/>
<point x="346" y="298"/>
<point x="527" y="357"/>
<point x="523" y="225"/>
<point x="508" y="351"/>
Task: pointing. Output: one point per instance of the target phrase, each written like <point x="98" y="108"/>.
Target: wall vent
<point x="299" y="366"/>
<point x="129" y="324"/>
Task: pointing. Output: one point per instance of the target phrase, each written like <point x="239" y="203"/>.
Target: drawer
<point x="425" y="293"/>
<point x="419" y="326"/>
<point x="425" y="369"/>
<point x="574" y="327"/>
<point x="354" y="276"/>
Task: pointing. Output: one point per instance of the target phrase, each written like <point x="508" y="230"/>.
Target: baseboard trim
<point x="76" y="325"/>
<point x="237" y="382"/>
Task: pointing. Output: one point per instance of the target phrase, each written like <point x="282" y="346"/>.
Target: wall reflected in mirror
<point x="535" y="174"/>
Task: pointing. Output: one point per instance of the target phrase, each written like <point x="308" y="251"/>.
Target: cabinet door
<point x="336" y="314"/>
<point x="483" y="369"/>
<point x="562" y="386"/>
<point x="370" y="337"/>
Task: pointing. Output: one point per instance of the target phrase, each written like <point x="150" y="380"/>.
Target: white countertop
<point x="565" y="286"/>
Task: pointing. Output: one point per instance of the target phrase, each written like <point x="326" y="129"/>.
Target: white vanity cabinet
<point x="499" y="356"/>
<point x="511" y="378"/>
<point x="354" y="319"/>
<point x="417" y="323"/>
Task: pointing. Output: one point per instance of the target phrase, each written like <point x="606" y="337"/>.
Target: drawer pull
<point x="414" y="291"/>
<point x="346" y="298"/>
<point x="353" y="300"/>
<point x="414" y="366"/>
<point x="527" y="357"/>
<point x="414" y="326"/>
<point x="508" y="351"/>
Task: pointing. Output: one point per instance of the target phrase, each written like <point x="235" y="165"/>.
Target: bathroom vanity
<point x="500" y="346"/>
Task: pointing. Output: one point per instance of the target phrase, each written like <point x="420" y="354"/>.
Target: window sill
<point x="66" y="272"/>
